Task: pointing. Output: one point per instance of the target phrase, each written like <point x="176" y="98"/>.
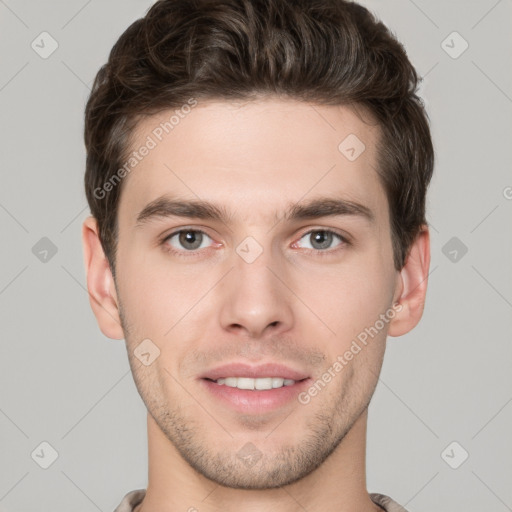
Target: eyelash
<point x="318" y="252"/>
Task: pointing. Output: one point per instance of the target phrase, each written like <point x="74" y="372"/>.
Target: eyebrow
<point x="165" y="206"/>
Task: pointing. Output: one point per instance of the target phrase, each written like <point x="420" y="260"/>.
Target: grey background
<point x="64" y="383"/>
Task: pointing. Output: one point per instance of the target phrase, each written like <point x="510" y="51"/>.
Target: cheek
<point x="143" y="291"/>
<point x="151" y="288"/>
<point x="347" y="299"/>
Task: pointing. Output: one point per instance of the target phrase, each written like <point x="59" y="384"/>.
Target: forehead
<point x="255" y="157"/>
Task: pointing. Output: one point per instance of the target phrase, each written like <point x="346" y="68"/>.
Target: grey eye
<point x="321" y="239"/>
<point x="188" y="239"/>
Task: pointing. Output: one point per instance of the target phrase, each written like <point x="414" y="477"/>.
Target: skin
<point x="297" y="303"/>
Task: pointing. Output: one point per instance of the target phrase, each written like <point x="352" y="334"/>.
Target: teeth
<point x="277" y="382"/>
<point x="260" y="384"/>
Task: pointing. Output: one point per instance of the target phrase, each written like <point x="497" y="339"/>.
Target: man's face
<point x="297" y="292"/>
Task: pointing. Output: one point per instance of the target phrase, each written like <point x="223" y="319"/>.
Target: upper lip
<point x="254" y="372"/>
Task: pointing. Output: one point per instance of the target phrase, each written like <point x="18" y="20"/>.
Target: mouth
<point x="255" y="384"/>
<point x="254" y="389"/>
<point x="241" y="370"/>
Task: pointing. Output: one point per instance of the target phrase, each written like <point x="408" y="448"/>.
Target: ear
<point x="100" y="283"/>
<point x="412" y="286"/>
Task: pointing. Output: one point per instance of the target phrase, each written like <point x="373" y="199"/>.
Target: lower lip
<point x="255" y="401"/>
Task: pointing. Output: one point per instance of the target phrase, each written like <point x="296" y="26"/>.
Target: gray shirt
<point x="133" y="498"/>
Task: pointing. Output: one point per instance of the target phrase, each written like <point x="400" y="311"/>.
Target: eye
<point x="188" y="239"/>
<point x="321" y="239"/>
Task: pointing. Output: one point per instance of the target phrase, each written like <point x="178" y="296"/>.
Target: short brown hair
<point x="330" y="52"/>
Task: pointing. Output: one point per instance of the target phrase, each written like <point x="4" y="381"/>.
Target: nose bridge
<point x="253" y="297"/>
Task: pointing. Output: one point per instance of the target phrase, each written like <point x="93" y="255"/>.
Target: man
<point x="256" y="173"/>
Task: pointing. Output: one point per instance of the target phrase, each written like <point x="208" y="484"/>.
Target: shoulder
<point x="388" y="504"/>
<point x="131" y="500"/>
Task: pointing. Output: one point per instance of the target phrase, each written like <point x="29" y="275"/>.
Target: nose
<point x="255" y="300"/>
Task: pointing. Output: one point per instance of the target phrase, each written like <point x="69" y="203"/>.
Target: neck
<point x="337" y="485"/>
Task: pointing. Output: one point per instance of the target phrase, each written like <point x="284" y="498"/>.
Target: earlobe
<point x="413" y="285"/>
<point x="100" y="283"/>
